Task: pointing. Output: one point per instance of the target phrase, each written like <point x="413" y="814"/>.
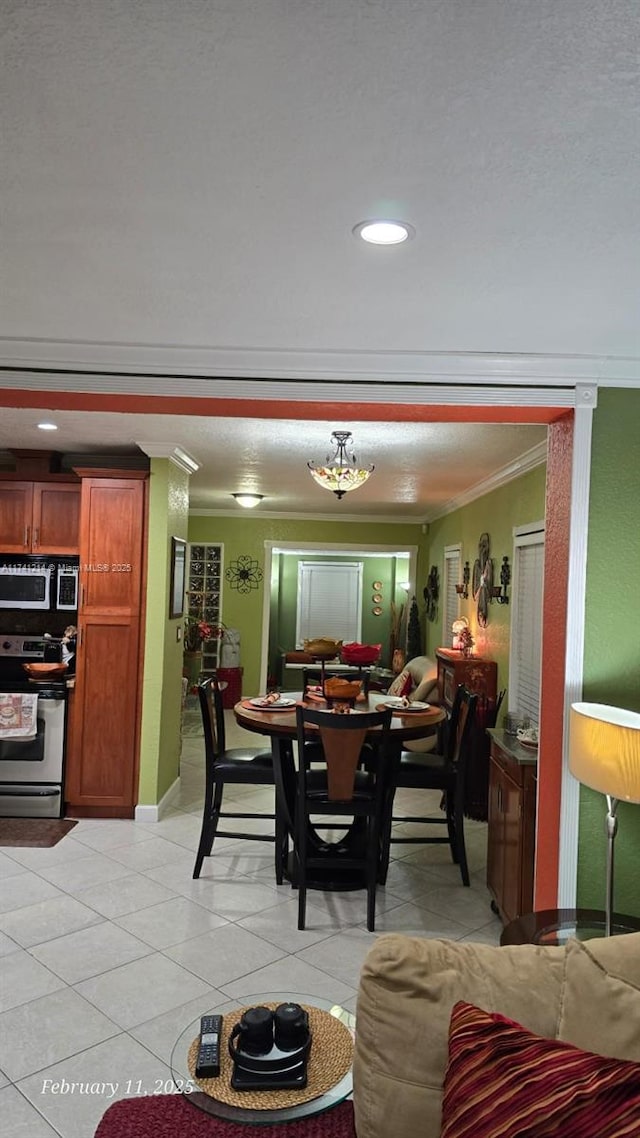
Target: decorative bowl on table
<point x="342" y="691"/>
<point x="44" y="671"/>
<point x="323" y="647"/>
<point x="363" y="654"/>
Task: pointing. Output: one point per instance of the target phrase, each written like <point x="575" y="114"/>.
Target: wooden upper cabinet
<point x="111" y="540"/>
<point x="16" y="509"/>
<point x="56" y="518"/>
<point x="39" y="517"/>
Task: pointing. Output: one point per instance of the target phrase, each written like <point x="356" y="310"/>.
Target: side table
<point x="288" y="1110"/>
<point x="556" y="926"/>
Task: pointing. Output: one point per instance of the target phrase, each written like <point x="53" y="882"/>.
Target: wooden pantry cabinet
<point x="512" y="822"/>
<point x="39" y="517"/>
<point x="104" y="709"/>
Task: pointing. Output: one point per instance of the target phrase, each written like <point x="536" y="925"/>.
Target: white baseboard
<point x="155" y="813"/>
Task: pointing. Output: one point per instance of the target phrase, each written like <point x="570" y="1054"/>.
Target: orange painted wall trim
<point x="275" y="408"/>
<point x="554" y="625"/>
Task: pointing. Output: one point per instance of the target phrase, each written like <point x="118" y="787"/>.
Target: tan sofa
<point x="586" y="994"/>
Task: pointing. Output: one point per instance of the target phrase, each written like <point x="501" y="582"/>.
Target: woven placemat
<point x="329" y="1060"/>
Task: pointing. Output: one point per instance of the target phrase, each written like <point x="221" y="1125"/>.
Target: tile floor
<point x="109" y="947"/>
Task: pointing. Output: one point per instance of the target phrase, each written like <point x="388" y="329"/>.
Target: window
<point x="526" y="622"/>
<point x="329" y="600"/>
<point x="450" y="599"/>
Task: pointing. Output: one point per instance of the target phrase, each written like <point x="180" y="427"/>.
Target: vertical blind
<point x="329" y="600"/>
<point x="526" y="629"/>
<point x="452" y="576"/>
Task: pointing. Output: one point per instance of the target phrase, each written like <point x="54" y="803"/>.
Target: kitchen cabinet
<point x="39" y="517"/>
<point x="103" y="741"/>
<point x="511" y="829"/>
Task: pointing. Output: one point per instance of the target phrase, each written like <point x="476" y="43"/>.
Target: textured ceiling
<point x="187" y="173"/>
<point x="419" y="467"/>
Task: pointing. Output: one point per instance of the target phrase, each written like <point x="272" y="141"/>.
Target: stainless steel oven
<point x="32" y="769"/>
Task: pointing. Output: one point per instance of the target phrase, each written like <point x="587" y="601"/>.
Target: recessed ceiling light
<point x="47" y="427"/>
<point x="248" y="500"/>
<point x="384" y="232"/>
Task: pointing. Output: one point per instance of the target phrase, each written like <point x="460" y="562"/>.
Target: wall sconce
<point x="463" y="589"/>
<point x="499" y="593"/>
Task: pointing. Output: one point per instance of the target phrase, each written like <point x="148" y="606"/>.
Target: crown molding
<point x="389" y="391"/>
<point x="527" y="461"/>
<point x="339" y="364"/>
<point x="176" y="454"/>
<point x="362" y="519"/>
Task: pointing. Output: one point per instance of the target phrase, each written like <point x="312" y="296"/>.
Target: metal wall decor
<point x="482" y="584"/>
<point x="499" y="592"/>
<point x="431" y="593"/>
<point x="463" y="589"/>
<point x="244" y="574"/>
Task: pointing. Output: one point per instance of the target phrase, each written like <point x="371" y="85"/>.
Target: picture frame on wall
<point x="177" y="578"/>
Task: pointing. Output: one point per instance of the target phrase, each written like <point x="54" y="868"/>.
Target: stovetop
<point x="16" y="650"/>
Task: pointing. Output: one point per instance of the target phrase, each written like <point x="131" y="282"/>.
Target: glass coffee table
<point x="287" y="1108"/>
<point x="557" y="926"/>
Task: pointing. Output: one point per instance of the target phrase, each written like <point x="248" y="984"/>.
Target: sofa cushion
<point x="502" y="1079"/>
<point x="608" y="1021"/>
<point x="408" y="987"/>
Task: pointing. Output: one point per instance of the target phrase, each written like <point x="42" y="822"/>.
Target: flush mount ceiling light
<point x="384" y="232"/>
<point x="341" y="471"/>
<point x="248" y="500"/>
<point x="47" y="427"/>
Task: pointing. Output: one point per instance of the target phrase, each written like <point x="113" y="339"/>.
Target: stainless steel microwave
<point x="48" y="583"/>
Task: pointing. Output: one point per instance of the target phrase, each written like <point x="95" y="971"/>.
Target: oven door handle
<point x="31" y="792"/>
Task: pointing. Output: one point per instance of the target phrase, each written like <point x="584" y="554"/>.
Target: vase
<point x="192" y="666"/>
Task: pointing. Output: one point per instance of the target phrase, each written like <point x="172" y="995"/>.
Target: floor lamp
<point x="604" y="754"/>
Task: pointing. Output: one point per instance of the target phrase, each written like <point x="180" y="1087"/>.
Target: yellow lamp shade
<point x="604" y="749"/>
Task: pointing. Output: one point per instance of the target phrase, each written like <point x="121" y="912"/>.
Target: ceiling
<point x="181" y="178"/>
<point x="419" y="467"/>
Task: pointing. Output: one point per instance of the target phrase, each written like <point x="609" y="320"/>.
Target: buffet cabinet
<point x="39" y="517"/>
<point x="478" y="675"/>
<point x="104" y="709"/>
<point x="511" y="830"/>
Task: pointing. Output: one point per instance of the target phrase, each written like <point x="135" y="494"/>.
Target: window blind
<point x="526" y="630"/>
<point x="452" y="577"/>
<point x="329" y="600"/>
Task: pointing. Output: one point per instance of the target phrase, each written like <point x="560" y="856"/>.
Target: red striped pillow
<point x="503" y="1081"/>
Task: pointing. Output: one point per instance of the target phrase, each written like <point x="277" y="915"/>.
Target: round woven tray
<point x="329" y="1061"/>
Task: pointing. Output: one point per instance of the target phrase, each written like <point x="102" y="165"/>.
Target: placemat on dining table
<point x="330" y="1058"/>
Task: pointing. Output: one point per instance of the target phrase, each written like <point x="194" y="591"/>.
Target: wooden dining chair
<point x="237" y="766"/>
<point x="336" y="787"/>
<point x="445" y="771"/>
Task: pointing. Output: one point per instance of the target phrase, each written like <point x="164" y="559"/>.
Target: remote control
<point x="208" y="1061"/>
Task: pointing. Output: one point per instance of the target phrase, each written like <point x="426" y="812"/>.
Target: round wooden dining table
<point x="280" y="727"/>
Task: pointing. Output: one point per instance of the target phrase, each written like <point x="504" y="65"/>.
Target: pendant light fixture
<point x="341" y="471"/>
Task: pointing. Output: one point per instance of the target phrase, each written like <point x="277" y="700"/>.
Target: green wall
<point x="514" y="504"/>
<point x="246" y="535"/>
<point x="375" y="629"/>
<point x="612" y="642"/>
<point x="162" y="687"/>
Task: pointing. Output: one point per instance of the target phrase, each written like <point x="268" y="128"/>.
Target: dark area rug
<point x="173" y="1116"/>
<point x="34" y="831"/>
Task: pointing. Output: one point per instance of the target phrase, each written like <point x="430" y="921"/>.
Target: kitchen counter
<point x="524" y="756"/>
